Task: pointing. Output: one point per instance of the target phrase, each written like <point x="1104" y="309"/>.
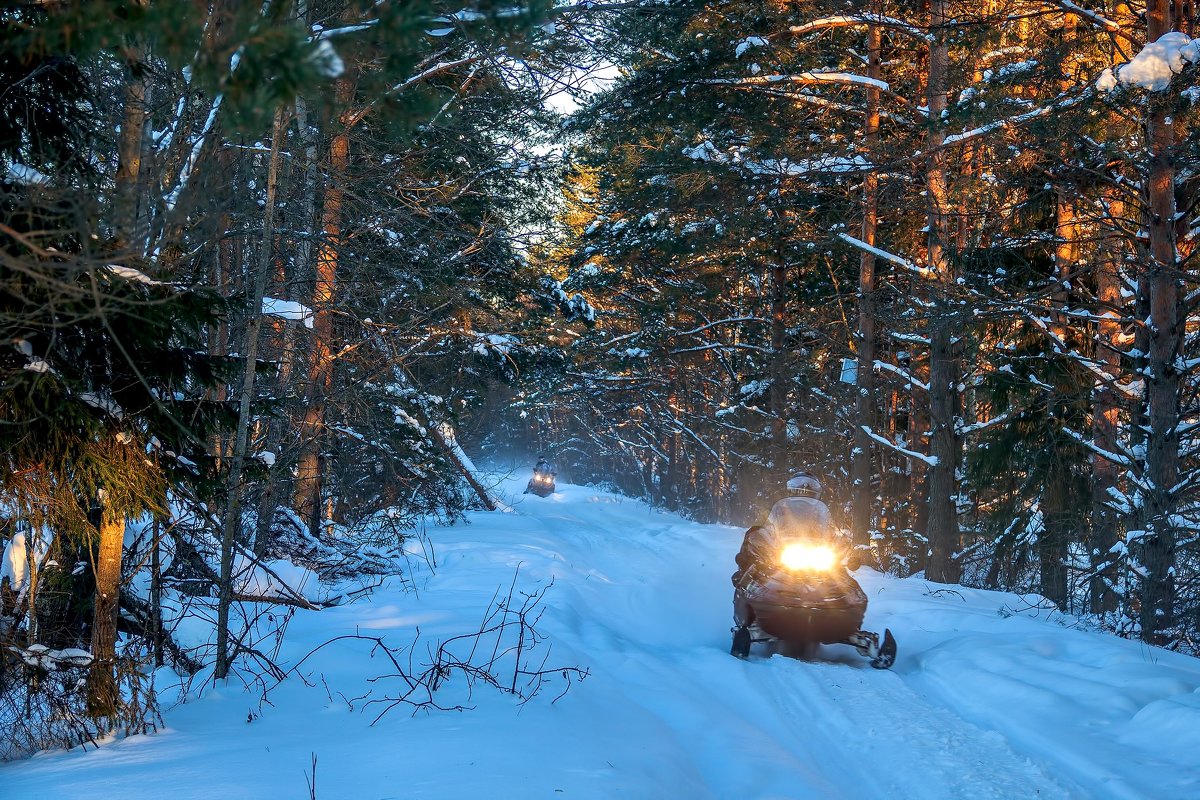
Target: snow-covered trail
<point x="989" y="698"/>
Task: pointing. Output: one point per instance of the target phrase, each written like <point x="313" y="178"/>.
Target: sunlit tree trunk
<point x="943" y="529"/>
<point x="1105" y="419"/>
<point x="103" y="695"/>
<point x="861" y="462"/>
<point x="320" y="372"/>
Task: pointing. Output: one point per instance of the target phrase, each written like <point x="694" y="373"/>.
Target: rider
<point x="543" y="467"/>
<point x="799" y="515"/>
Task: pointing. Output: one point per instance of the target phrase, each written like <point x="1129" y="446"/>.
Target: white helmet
<point x="804" y="484"/>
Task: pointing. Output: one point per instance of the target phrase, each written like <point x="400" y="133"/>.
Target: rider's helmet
<point x="804" y="484"/>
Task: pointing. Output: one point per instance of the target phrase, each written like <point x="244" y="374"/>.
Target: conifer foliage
<point x="940" y="253"/>
<point x="247" y="251"/>
<point x="265" y="268"/>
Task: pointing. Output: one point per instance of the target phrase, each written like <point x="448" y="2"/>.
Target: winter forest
<point x="294" y="293"/>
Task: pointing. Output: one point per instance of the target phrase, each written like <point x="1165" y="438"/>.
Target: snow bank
<point x="273" y="578"/>
<point x="992" y="695"/>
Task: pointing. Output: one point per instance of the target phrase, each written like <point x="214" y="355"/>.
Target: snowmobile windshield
<point x="798" y="518"/>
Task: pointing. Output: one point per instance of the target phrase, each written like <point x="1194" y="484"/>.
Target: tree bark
<point x="232" y="518"/>
<point x="1105" y="416"/>
<point x="1056" y="515"/>
<point x="320" y="374"/>
<point x="861" y="461"/>
<point x="103" y="694"/>
<point x="943" y="528"/>
<point x="1156" y="548"/>
<point x="129" y="154"/>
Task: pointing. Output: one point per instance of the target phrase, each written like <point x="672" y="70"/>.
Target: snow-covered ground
<point x="990" y="697"/>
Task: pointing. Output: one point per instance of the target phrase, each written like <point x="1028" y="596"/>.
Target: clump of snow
<point x="131" y="274"/>
<point x="705" y="151"/>
<point x="498" y="344"/>
<point x="1107" y="81"/>
<point x="42" y="657"/>
<point x="748" y="42"/>
<point x="21" y="173"/>
<point x="1156" y="64"/>
<point x="755" y="388"/>
<point x="326" y="60"/>
<point x="14" y="566"/>
<point x="104" y="402"/>
<point x="287" y="309"/>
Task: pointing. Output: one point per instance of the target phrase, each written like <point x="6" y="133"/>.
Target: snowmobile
<point x="541" y="484"/>
<point x="802" y="598"/>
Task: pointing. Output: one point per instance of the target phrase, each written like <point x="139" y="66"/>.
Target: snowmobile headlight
<point x="799" y="556"/>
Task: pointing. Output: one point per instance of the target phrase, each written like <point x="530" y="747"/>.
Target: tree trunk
<point x="320" y="374"/>
<point x="268" y="500"/>
<point x="861" y="461"/>
<point x="232" y="518"/>
<point x="1056" y="516"/>
<point x="778" y="396"/>
<point x="943" y="529"/>
<point x="1156" y="548"/>
<point x="129" y="154"/>
<point x="103" y="694"/>
<point x="1105" y="415"/>
<point x="156" y="617"/>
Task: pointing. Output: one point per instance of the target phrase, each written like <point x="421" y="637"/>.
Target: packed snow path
<point x="990" y="698"/>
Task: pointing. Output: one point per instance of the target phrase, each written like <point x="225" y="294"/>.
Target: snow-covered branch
<point x="976" y="427"/>
<point x="807" y="78"/>
<point x="885" y="255"/>
<point x="861" y="21"/>
<point x="904" y="451"/>
<point x="1095" y="18"/>
<point x="1061" y="103"/>
<point x="883" y="366"/>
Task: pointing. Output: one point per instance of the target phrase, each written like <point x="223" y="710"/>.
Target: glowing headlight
<point x="807" y="556"/>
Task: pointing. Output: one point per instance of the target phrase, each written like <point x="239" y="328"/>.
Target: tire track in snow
<point x="913" y="748"/>
<point x="846" y="729"/>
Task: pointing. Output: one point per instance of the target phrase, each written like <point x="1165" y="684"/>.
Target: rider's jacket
<point x="800" y="518"/>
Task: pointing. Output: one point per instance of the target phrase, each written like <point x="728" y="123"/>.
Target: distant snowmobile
<point x="792" y="586"/>
<point x="542" y="482"/>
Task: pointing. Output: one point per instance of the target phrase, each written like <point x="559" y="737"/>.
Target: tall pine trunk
<point x="1056" y="514"/>
<point x="1105" y="418"/>
<point x="103" y="695"/>
<point x="320" y="372"/>
<point x="861" y="461"/>
<point x="1156" y="548"/>
<point x="943" y="529"/>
